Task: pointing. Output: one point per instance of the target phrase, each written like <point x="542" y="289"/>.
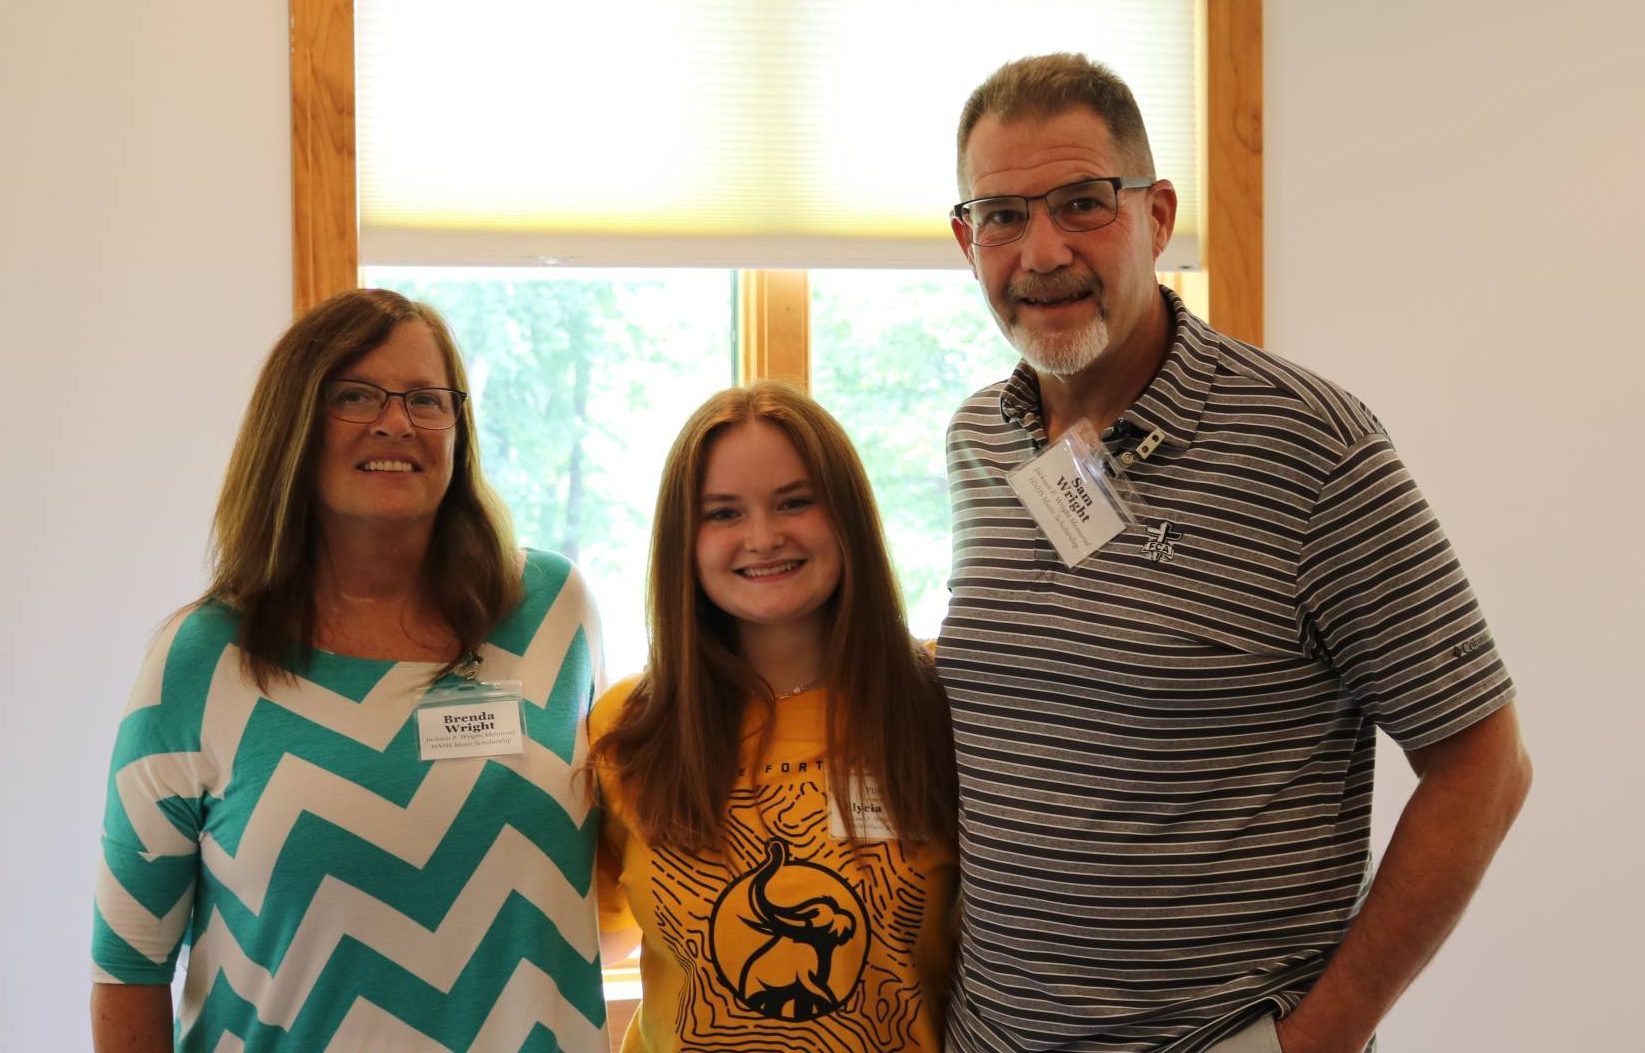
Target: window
<point x="878" y="347"/>
<point x="326" y="239"/>
<point x="580" y="380"/>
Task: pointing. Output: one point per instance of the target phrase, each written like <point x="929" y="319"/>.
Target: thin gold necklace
<point x="802" y="689"/>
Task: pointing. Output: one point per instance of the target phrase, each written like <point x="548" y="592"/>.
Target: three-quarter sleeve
<point x="155" y="811"/>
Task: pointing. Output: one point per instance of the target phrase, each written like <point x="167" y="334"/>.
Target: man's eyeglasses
<point x="1087" y="205"/>
<point x="361" y="403"/>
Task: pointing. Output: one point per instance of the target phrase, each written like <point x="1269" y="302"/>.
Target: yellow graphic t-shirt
<point x="789" y="941"/>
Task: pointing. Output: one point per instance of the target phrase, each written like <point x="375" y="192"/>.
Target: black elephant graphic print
<point x="789" y="937"/>
<point x="782" y="937"/>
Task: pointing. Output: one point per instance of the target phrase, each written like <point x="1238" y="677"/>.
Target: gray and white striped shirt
<point x="1166" y="752"/>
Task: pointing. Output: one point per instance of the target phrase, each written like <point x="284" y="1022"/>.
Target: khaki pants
<point x="1259" y="1037"/>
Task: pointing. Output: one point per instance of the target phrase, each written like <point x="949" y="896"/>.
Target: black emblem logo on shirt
<point x="1463" y="650"/>
<point x="789" y="937"/>
<point x="1159" y="546"/>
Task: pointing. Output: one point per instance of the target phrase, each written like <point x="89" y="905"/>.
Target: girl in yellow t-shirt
<point x="778" y="784"/>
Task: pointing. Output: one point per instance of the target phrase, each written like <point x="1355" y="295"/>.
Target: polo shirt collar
<point x="1173" y="402"/>
<point x="1020" y="402"/>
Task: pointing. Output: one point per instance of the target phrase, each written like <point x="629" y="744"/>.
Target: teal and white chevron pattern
<point x="337" y="892"/>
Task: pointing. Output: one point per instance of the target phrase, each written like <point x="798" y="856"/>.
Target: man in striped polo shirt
<point x="1165" y="744"/>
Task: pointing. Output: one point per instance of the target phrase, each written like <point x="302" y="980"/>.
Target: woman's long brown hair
<point x="264" y="534"/>
<point x="674" y="749"/>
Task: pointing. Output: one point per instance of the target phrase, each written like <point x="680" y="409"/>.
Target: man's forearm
<point x="1470" y="790"/>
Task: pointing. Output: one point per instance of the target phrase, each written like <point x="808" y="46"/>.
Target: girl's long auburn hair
<point x="264" y="535"/>
<point x="674" y="749"/>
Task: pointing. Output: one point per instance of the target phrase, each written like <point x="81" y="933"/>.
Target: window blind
<point x="742" y="133"/>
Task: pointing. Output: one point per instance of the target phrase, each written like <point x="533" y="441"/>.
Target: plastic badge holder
<point x="474" y="718"/>
<point x="1078" y="493"/>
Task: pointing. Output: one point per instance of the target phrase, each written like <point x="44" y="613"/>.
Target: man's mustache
<point x="1058" y="285"/>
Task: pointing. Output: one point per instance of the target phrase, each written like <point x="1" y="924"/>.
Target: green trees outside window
<point x="893" y="354"/>
<point x="582" y="378"/>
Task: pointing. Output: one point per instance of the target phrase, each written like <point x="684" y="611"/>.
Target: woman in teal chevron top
<point x="341" y="791"/>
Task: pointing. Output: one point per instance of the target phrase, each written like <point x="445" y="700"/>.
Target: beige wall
<point x="1449" y="246"/>
<point x="145" y="268"/>
<point x="1454" y="231"/>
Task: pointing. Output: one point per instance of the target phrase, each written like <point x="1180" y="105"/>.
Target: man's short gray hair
<point x="1048" y="85"/>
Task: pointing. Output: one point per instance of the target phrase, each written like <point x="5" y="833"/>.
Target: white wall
<point x="1454" y="230"/>
<point x="145" y="269"/>
<point x="1453" y="217"/>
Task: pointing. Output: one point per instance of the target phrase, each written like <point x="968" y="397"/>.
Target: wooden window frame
<point x="773" y="306"/>
<point x="325" y="235"/>
<point x="1232" y="244"/>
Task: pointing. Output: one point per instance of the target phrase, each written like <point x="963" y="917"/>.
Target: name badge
<point x="1074" y="492"/>
<point x="470" y="720"/>
<point x="867" y="812"/>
